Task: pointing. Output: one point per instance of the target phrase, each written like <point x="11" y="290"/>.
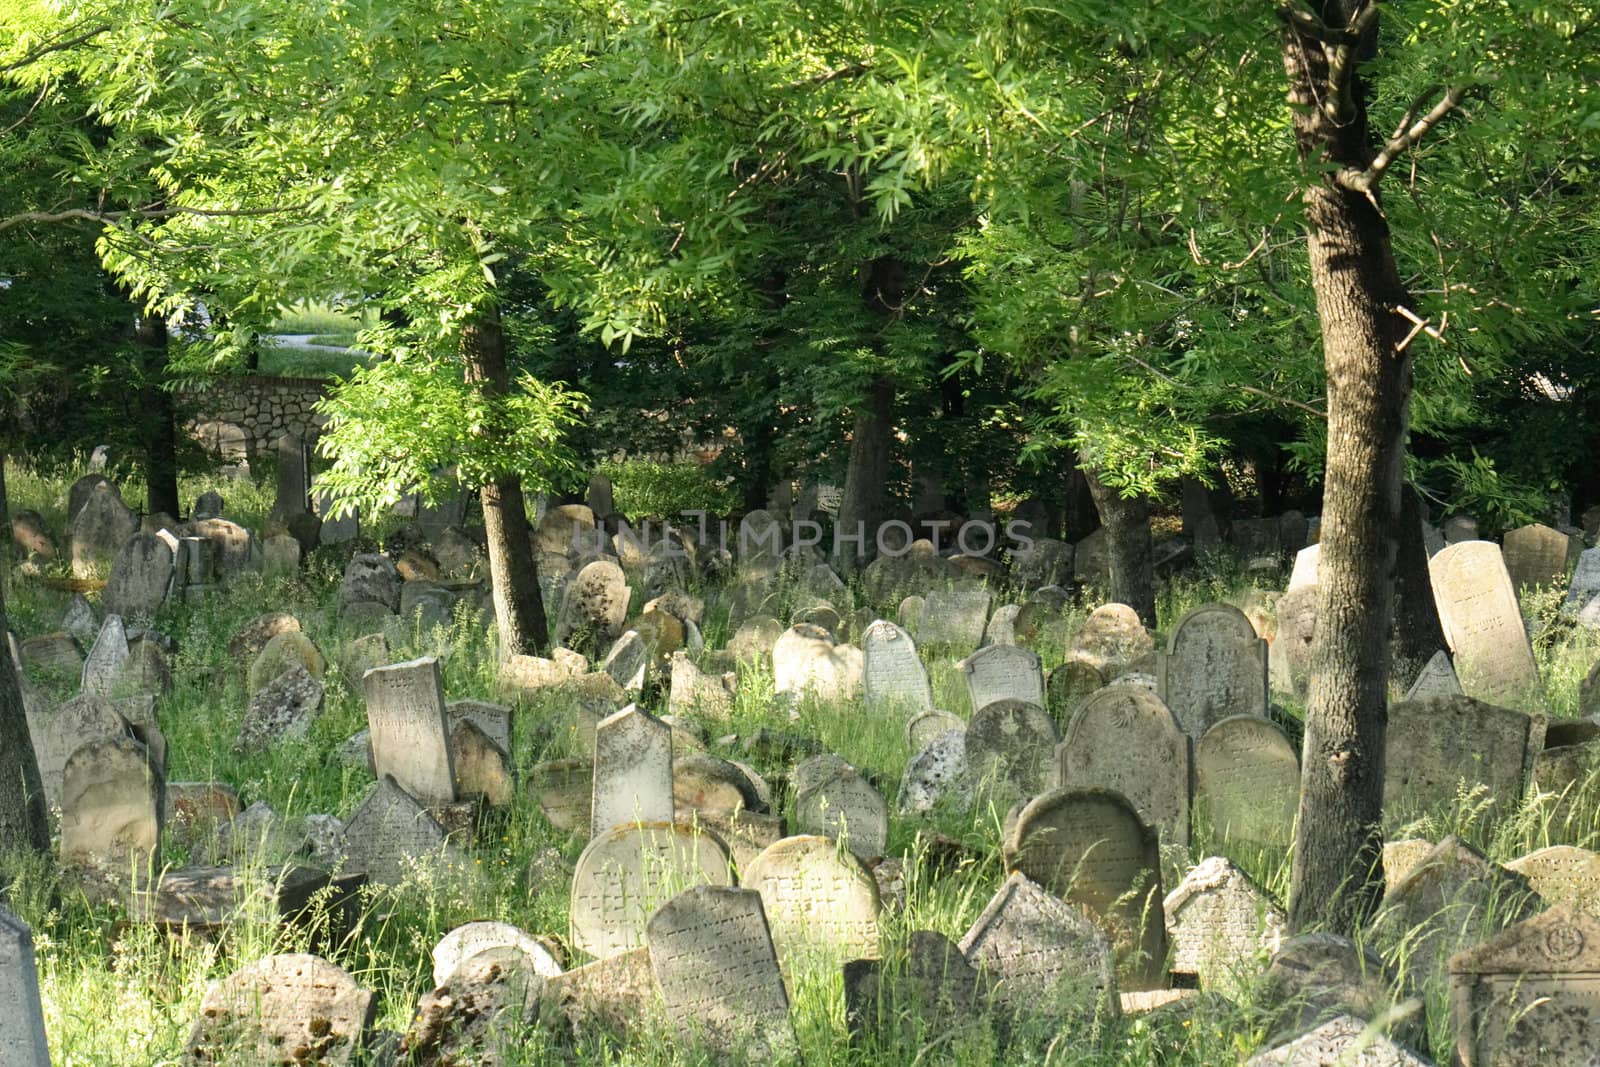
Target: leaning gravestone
<point x="1583" y="594"/>
<point x="410" y="734"/>
<point x="936" y="773"/>
<point x="953" y="618"/>
<point x="141" y="574"/>
<point x="1247" y="781"/>
<point x="1526" y="997"/>
<point x="1483" y="625"/>
<point x="1535" y="556"/>
<point x="1011" y="749"/>
<point x="595" y="604"/>
<point x="1306" y="564"/>
<point x="22" y="1040"/>
<point x="1563" y="874"/>
<point x="79" y="492"/>
<point x="493" y="719"/>
<point x="1068" y="686"/>
<point x="111" y="806"/>
<point x="892" y="673"/>
<point x="1314" y="977"/>
<point x="632" y="771"/>
<point x="1090" y="847"/>
<point x="832" y="799"/>
<point x="714" y="963"/>
<point x="817" y="898"/>
<point x="1219" y="922"/>
<point x="1344" y="1040"/>
<point x="99" y="531"/>
<point x="1214" y="666"/>
<point x="1123" y="738"/>
<point x="466" y="941"/>
<point x="1039" y="955"/>
<point x="103" y="666"/>
<point x="629" y="871"/>
<point x="1003" y="672"/>
<point x="58" y="734"/>
<point x="283" y="1009"/>
<point x="628" y="662"/>
<point x="1436" y="679"/>
<point x="389" y="836"/>
<point x="1437" y="747"/>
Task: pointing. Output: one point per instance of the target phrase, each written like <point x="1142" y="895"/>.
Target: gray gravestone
<point x="294" y="477"/>
<point x="1003" y="672"/>
<point x="1214" y="666"/>
<point x="628" y="662"/>
<point x="632" y="771"/>
<point x="626" y="873"/>
<point x="141" y="575"/>
<point x="892" y="673"/>
<point x="1583" y="594"/>
<point x="410" y="733"/>
<point x="1222" y="926"/>
<point x="1344" y="1040"/>
<point x="390" y="835"/>
<point x="1535" y="556"/>
<point x="1439" y="746"/>
<point x="469" y="939"/>
<point x="22" y="1040"/>
<point x="1247" y="781"/>
<point x="1483" y="625"/>
<point x="833" y="799"/>
<point x="1123" y="738"/>
<point x="1290" y="654"/>
<point x="57" y="734"/>
<point x="953" y="618"/>
<point x="99" y="530"/>
<point x="596" y="603"/>
<point x="816" y="898"/>
<point x="1011" y="749"/>
<point x="103" y="666"/>
<point x="1436" y="679"/>
<point x="936" y="773"/>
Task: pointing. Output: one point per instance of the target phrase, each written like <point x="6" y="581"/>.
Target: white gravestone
<point x="632" y="771"/>
<point x="410" y="731"/>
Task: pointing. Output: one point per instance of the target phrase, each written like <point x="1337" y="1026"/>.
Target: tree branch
<point x="142" y="213"/>
<point x="1407" y="136"/>
<point x="58" y="45"/>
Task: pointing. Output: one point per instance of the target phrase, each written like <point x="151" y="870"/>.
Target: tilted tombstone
<point x="1090" y="847"/>
<point x="595" y="604"/>
<point x="1003" y="672"/>
<point x="1011" y="749"/>
<point x="563" y="789"/>
<point x="1290" y="653"/>
<point x="1307" y="562"/>
<point x="1435" y="746"/>
<point x="370" y="578"/>
<point x="390" y="835"/>
<point x="1436" y="679"/>
<point x="280" y="556"/>
<point x="1068" y="686"/>
<point x="1112" y="639"/>
<point x="1535" y="556"/>
<point x="410" y="733"/>
<point x="1002" y="628"/>
<point x="111" y="807"/>
<point x="628" y="662"/>
<point x="1247" y="781"/>
<point x="1214" y="666"/>
<point x="953" y="618"/>
<point x="1582" y="603"/>
<point x="833" y="799"/>
<point x="936" y="773"/>
<point x="817" y="898"/>
<point x="893" y="676"/>
<point x="493" y="719"/>
<point x="626" y="873"/>
<point x="714" y="962"/>
<point x="1563" y="874"/>
<point x="80" y="619"/>
<point x="1344" y="1039"/>
<point x="1039" y="955"/>
<point x="57" y="734"/>
<point x="79" y="492"/>
<point x="22" y="1039"/>
<point x="283" y="708"/>
<point x="141" y="575"/>
<point x="1219" y="923"/>
<point x="1483" y="625"/>
<point x="99" y="530"/>
<point x="632" y="771"/>
<point x="343" y="529"/>
<point x="293" y="1004"/>
<point x="1123" y="738"/>
<point x="108" y="656"/>
<point x="469" y="939"/>
<point x="482" y="768"/>
<point x="1527" y="996"/>
<point x="1315" y="977"/>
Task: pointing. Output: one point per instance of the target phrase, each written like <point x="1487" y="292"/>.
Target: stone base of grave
<point x="207" y="900"/>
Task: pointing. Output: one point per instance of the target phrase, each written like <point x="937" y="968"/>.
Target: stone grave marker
<point x="1563" y="874"/>
<point x="232" y="546"/>
<point x="714" y="963"/>
<point x="595" y="604"/>
<point x="390" y="835"/>
<point x="1289" y="656"/>
<point x="1436" y="679"/>
<point x="807" y="659"/>
<point x="1315" y="977"/>
<point x="832" y="799"/>
<point x="1527" y="996"/>
<point x="953" y="618"/>
<point x="370" y="578"/>
<point x="292" y="1008"/>
<point x="632" y="771"/>
<point x="1344" y="1040"/>
<point x="892" y="673"/>
<point x="108" y="656"/>
<point x="111" y="806"/>
<point x="283" y="708"/>
<point x="22" y="1039"/>
<point x="1563" y="771"/>
<point x="1039" y="955"/>
<point x="410" y="734"/>
<point x="1214" y="666"/>
<point x="925" y="726"/>
<point x="1583" y="594"/>
<point x="939" y="771"/>
<point x="1090" y="847"/>
<point x="1011" y="749"/>
<point x="1483" y="625"/>
<point x="694" y="690"/>
<point x="280" y="556"/>
<point x="1091" y="560"/>
<point x="759" y="547"/>
<point x="628" y="662"/>
<point x="1247" y="781"/>
<point x="80" y="619"/>
<point x="1219" y="921"/>
<point x="79" y="492"/>
<point x="493" y="719"/>
<point x="1535" y="556"/>
<point x="1002" y="628"/>
<point x="1068" y="686"/>
<point x="927" y="990"/>
<point x="99" y="530"/>
<point x="57" y="734"/>
<point x="1112" y="639"/>
<point x="141" y="575"/>
<point x="294" y="477"/>
<point x="1306" y="563"/>
<point x="1123" y="738"/>
<point x="482" y="768"/>
<point x="629" y="871"/>
<point x="469" y="939"/>
<point x="817" y="897"/>
<point x="1003" y="672"/>
<point x="1436" y="745"/>
<point x="563" y="790"/>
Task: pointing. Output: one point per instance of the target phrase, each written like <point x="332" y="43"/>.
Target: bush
<point x="643" y="488"/>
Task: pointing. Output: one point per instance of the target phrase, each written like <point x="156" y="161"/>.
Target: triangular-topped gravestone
<point x="102" y="667"/>
<point x="390" y="835"/>
<point x="1436" y="679"/>
<point x="632" y="771"/>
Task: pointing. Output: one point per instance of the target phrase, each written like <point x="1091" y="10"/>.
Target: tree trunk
<point x="158" y="418"/>
<point x="5" y="511"/>
<point x="1079" y="514"/>
<point x="1129" y="547"/>
<point x="861" y="509"/>
<point x="513" y="576"/>
<point x="1417" y="631"/>
<point x="23" y="823"/>
<point x="1338" y="854"/>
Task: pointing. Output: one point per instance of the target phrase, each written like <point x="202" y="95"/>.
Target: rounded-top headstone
<point x="1113" y="639"/>
<point x="1011" y="748"/>
<point x="816" y="894"/>
<point x="629" y="871"/>
<point x="1123" y="738"/>
<point x="1247" y="781"/>
<point x="296" y="1003"/>
<point x="466" y="941"/>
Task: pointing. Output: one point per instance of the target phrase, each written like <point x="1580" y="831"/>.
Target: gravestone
<point x="482" y="768"/>
<point x="1247" y="781"/>
<point x="79" y="492"/>
<point x="284" y="708"/>
<point x="925" y="726"/>
<point x="140" y="577"/>
<point x="1039" y="955"/>
<point x="759" y="544"/>
<point x="1582" y="603"/>
<point x="1527" y="996"/>
<point x="626" y="873"/>
<point x="390" y="836"/>
<point x="893" y="676"/>
<point x="832" y="799"/>
<point x="1346" y="1041"/>
<point x="1563" y="874"/>
<point x="1214" y="666"/>
<point x="936" y="773"/>
<point x="714" y="962"/>
<point x="410" y="734"/>
<point x="1460" y="528"/>
<point x="632" y="771"/>
<point x="1091" y="560"/>
<point x="1483" y="625"/>
<point x="1434" y="746"/>
<point x="284" y="652"/>
<point x="1002" y="628"/>
<point x="493" y="719"/>
<point x="1219" y="922"/>
<point x="469" y="939"/>
<point x="294" y="477"/>
<point x="1090" y="847"/>
<point x="280" y="557"/>
<point x="1068" y="686"/>
<point x="1306" y="564"/>
<point x="111" y="806"/>
<point x="925" y="991"/>
<point x="80" y="620"/>
<point x="1535" y="556"/>
<point x="628" y="662"/>
<point x="563" y="789"/>
<point x="1290" y="653"/>
<point x="283" y="1009"/>
<point x="1003" y="673"/>
<point x="370" y="578"/>
<point x="1112" y="639"/>
<point x="694" y="690"/>
<point x="99" y="530"/>
<point x="232" y="546"/>
<point x="1436" y="679"/>
<point x="57" y="734"/>
<point x="1564" y="772"/>
<point x="208" y="505"/>
<point x="817" y="898"/>
<point x="1011" y="749"/>
<point x="1123" y="738"/>
<point x="595" y="604"/>
<point x="22" y="1039"/>
<point x="953" y="618"/>
<point x="1315" y="977"/>
<point x="108" y="656"/>
<point x="806" y="659"/>
<point x="340" y="530"/>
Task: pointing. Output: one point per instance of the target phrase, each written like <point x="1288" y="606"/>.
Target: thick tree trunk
<point x="158" y="418"/>
<point x="1338" y="854"/>
<point x="23" y="823"/>
<point x="1079" y="515"/>
<point x="1417" y="631"/>
<point x="861" y="509"/>
<point x="513" y="577"/>
<point x="1129" y="546"/>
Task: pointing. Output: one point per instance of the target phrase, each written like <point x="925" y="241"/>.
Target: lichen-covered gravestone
<point x="595" y="604"/>
<point x="293" y="1008"/>
<point x="632" y="771"/>
<point x="410" y="738"/>
<point x="628" y="871"/>
<point x="1123" y="738"/>
<point x="937" y="773"/>
<point x="925" y="726"/>
<point x="1112" y="639"/>
<point x="99" y="530"/>
<point x="1563" y="874"/>
<point x="56" y="735"/>
<point x="1247" y="781"/>
<point x="390" y="835"/>
<point x="1011" y="749"/>
<point x="1483" y="625"/>
<point x="111" y="807"/>
<point x="1535" y="556"/>
<point x="1290" y="654"/>
<point x="1582" y="603"/>
<point x="1219" y="922"/>
<point x="1003" y="672"/>
<point x="469" y="939"/>
<point x="1343" y="1040"/>
<point x="832" y="799"/>
<point x="108" y="656"/>
<point x="953" y="618"/>
<point x="816" y="898"/>
<point x="892" y="673"/>
<point x="1438" y="746"/>
<point x="22" y="1039"/>
<point x="1214" y="666"/>
<point x="141" y="575"/>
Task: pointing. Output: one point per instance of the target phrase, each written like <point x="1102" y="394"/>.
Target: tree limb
<point x="142" y="213"/>
<point x="58" y="45"/>
<point x="1405" y="138"/>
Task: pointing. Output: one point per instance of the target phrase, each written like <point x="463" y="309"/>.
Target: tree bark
<point x="513" y="576"/>
<point x="158" y="417"/>
<point x="5" y="510"/>
<point x="1418" y="633"/>
<point x="1129" y="546"/>
<point x="1337" y="876"/>
<point x="23" y="822"/>
<point x="861" y="509"/>
<point x="1080" y="516"/>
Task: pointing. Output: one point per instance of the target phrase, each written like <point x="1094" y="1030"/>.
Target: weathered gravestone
<point x="469" y="939"/>
<point x="714" y="963"/>
<point x="806" y="659"/>
<point x="1535" y="556"/>
<point x="817" y="898"/>
<point x="694" y="690"/>
<point x="232" y="546"/>
<point x="937" y="773"/>
<point x="564" y="790"/>
<point x="293" y="1008"/>
<point x="111" y="807"/>
<point x="80" y="619"/>
<point x="595" y="604"/>
<point x="632" y="771"/>
<point x="410" y="733"/>
<point x="627" y="872"/>
<point x="108" y="656"/>
<point x="1436" y="679"/>
<point x="1090" y="847"/>
<point x="284" y="708"/>
<point x="1068" y="686"/>
<point x="280" y="556"/>
<point x="893" y="676"/>
<point x="1112" y="639"/>
<point x="1582" y="603"/>
<point x="953" y="618"/>
<point x="294" y="477"/>
<point x="1345" y="1041"/>
<point x="482" y="768"/>
<point x="1214" y="666"/>
<point x="1003" y="672"/>
<point x="925" y="726"/>
<point x="1530" y="995"/>
<point x="1247" y="781"/>
<point x="22" y="1040"/>
<point x="57" y="734"/>
<point x="832" y="799"/>
<point x="1483" y="625"/>
<point x="628" y="662"/>
<point x="141" y="574"/>
<point x="370" y="578"/>
<point x="1290" y="653"/>
<point x="390" y="836"/>
<point x="1220" y="922"/>
<point x="926" y="990"/>
<point x="79" y="492"/>
<point x="1002" y="628"/>
<point x="1011" y="748"/>
<point x="1307" y="561"/>
<point x="1039" y="955"/>
<point x="1123" y="738"/>
<point x="1563" y="874"/>
<point x="493" y="719"/>
<point x="1437" y="747"/>
<point x="1566" y="773"/>
<point x="759" y="547"/>
<point x="99" y="530"/>
<point x="1316" y="977"/>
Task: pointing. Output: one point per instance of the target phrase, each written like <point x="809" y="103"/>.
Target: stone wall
<point x="243" y="417"/>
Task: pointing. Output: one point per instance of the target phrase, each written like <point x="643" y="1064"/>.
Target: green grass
<point x="315" y="316"/>
<point x="283" y="361"/>
<point x="343" y="339"/>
